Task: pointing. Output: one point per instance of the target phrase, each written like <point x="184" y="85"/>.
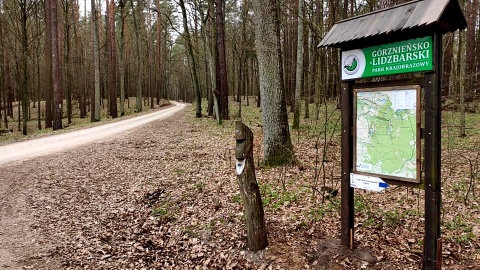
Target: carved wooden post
<point x="249" y="190"/>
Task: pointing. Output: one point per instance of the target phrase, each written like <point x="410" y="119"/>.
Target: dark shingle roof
<point x="410" y="20"/>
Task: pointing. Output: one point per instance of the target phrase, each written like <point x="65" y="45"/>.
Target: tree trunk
<point x="138" y="106"/>
<point x="207" y="31"/>
<point x="447" y="64"/>
<point x="112" y="59"/>
<point x="249" y="190"/>
<point x="277" y="143"/>
<point x="299" y="69"/>
<point x="96" y="63"/>
<point x="460" y="85"/>
<point x="24" y="68"/>
<point x="67" y="57"/>
<point x="222" y="81"/>
<point x="56" y="73"/>
<point x="121" y="60"/>
<point x="193" y="64"/>
<point x="48" y="63"/>
<point x="470" y="72"/>
<point x="159" y="55"/>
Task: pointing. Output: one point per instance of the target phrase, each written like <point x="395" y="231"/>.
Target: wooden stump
<point x="249" y="190"/>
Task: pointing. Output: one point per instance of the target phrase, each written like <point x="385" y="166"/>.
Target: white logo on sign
<point x="353" y="64"/>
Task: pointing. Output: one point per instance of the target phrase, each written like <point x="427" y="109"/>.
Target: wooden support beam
<point x="432" y="251"/>
<point x="348" y="213"/>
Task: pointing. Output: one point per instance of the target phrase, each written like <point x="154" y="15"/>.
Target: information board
<point x="407" y="56"/>
<point x="387" y="132"/>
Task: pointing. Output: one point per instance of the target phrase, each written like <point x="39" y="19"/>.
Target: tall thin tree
<point x="48" y="63"/>
<point x="139" y="91"/>
<point x="96" y="64"/>
<point x="299" y="68"/>
<point x="192" y="61"/>
<point x="222" y="81"/>
<point x="121" y="57"/>
<point x="112" y="59"/>
<point x="56" y="72"/>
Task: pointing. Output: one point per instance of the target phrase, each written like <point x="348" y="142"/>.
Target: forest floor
<point x="165" y="196"/>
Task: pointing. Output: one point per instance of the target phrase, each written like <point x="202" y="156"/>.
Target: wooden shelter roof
<point x="410" y="20"/>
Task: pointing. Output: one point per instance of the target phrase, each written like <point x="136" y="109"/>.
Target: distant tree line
<point x="54" y="53"/>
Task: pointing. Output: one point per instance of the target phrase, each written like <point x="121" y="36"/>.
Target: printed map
<point x="386" y="133"/>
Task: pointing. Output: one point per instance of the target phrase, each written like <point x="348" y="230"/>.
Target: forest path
<point x="30" y="192"/>
<point x="21" y="151"/>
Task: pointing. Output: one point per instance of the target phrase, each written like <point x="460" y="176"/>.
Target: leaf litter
<point x="165" y="196"/>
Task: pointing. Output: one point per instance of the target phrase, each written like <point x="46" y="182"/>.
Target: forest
<point x="90" y="53"/>
<point x="66" y="62"/>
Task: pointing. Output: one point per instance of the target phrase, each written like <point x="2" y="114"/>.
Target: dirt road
<point x="43" y="146"/>
<point x="29" y="212"/>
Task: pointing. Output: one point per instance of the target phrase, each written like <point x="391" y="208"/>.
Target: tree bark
<point x="193" y="63"/>
<point x="48" y="63"/>
<point x="447" y="64"/>
<point x="96" y="63"/>
<point x="24" y="67"/>
<point x="67" y="57"/>
<point x="460" y="85"/>
<point x="112" y="55"/>
<point x="470" y="72"/>
<point x="222" y="81"/>
<point x="138" y="106"/>
<point x="278" y="148"/>
<point x="159" y="54"/>
<point x="299" y="69"/>
<point x="56" y="73"/>
<point x="121" y="59"/>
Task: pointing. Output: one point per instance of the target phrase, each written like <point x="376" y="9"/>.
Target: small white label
<point x="367" y="182"/>
<point x="240" y="165"/>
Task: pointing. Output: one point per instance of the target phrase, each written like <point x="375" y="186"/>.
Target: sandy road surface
<point x="43" y="146"/>
<point x="21" y="244"/>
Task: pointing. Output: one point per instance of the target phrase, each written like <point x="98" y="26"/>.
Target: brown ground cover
<point x="165" y="196"/>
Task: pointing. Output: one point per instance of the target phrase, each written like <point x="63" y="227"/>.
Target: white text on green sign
<point x="414" y="55"/>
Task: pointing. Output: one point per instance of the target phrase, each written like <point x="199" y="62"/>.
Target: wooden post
<point x="347" y="214"/>
<point x="432" y="251"/>
<point x="249" y="190"/>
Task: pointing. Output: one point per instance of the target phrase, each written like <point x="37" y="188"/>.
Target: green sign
<point x="414" y="55"/>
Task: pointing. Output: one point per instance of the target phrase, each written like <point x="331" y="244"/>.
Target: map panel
<point x="386" y="133"/>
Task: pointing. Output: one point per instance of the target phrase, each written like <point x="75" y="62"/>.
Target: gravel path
<point x="48" y="202"/>
<point x="158" y="196"/>
<point x="25" y="150"/>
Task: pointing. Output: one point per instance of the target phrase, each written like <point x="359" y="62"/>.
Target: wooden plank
<point x="427" y="12"/>
<point x="397" y="21"/>
<point x="431" y="257"/>
<point x="347" y="203"/>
